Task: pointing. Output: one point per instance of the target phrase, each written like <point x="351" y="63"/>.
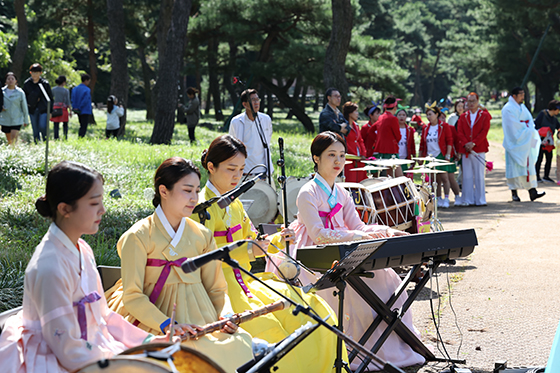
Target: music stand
<point x="349" y="265"/>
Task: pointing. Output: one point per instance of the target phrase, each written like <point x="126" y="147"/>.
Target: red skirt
<point x="63" y="117"/>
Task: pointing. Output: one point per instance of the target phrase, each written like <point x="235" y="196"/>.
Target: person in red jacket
<point x="416" y="120"/>
<point x="407" y="148"/>
<point x="354" y="143"/>
<point x="389" y="134"/>
<point x="472" y="130"/>
<point x="437" y="141"/>
<point x="369" y="130"/>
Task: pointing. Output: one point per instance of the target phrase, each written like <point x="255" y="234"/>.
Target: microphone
<point x="192" y="264"/>
<point x="229" y="197"/>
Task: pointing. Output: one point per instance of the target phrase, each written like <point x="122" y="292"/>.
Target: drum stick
<point x="238" y="318"/>
<point x="172" y="324"/>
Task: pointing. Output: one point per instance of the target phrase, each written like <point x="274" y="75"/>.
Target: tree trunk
<point x="22" y="43"/>
<point x="283" y="97"/>
<point x="295" y="96"/>
<point x="91" y="46"/>
<point x="147" y="76"/>
<point x="208" y="103"/>
<point x="430" y="95"/>
<point x="119" y="58"/>
<point x="269" y="104"/>
<point x="303" y="101"/>
<point x="334" y="70"/>
<point x="230" y="68"/>
<point x="213" y="84"/>
<point x="168" y="74"/>
<point x="316" y="103"/>
<point x="546" y="89"/>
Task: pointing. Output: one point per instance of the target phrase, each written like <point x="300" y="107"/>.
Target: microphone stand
<point x="385" y="365"/>
<point x="202" y="209"/>
<point x="282" y="180"/>
<point x="263" y="140"/>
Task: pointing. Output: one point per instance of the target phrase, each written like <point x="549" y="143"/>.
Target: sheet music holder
<point x="349" y="265"/>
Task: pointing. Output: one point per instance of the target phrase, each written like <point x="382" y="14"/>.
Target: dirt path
<point x="506" y="296"/>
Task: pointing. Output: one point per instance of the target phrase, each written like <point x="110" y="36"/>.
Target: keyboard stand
<point x="338" y="276"/>
<point x="394" y="318"/>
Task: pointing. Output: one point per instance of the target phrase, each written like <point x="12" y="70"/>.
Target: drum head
<point x="372" y="181"/>
<point x="125" y="364"/>
<point x="264" y="208"/>
<point x="293" y="185"/>
<point x="186" y="360"/>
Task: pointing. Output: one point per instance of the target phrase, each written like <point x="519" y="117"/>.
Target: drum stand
<point x="291" y="341"/>
<point x="435" y="223"/>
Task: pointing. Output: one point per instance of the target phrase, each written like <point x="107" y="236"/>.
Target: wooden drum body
<point x="394" y="201"/>
<point x="362" y="200"/>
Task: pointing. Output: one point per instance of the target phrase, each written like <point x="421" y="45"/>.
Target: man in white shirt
<point x="255" y="134"/>
<point x="521" y="142"/>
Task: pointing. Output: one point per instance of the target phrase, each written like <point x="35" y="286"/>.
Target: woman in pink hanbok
<point x="326" y="214"/>
<point x="65" y="323"/>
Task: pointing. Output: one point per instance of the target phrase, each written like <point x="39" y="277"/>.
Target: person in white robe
<point x="521" y="143"/>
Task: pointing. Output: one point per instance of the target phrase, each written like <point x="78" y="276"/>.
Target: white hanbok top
<point x="343" y="224"/>
<point x="47" y="336"/>
<point x="521" y="140"/>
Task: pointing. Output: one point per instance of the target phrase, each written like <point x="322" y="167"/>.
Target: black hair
<point x="85" y="77"/>
<point x="516" y="91"/>
<point x="322" y="141"/>
<point x="222" y="148"/>
<point x="110" y="103"/>
<point x="247" y="93"/>
<point x="330" y="91"/>
<point x="11" y="74"/>
<point x="192" y="91"/>
<point x="170" y="172"/>
<point x="390" y="100"/>
<point x="36" y="67"/>
<point x="553" y="105"/>
<point x="61" y="79"/>
<point x="67" y="182"/>
<point x="435" y="109"/>
<point x="368" y="108"/>
<point x="459" y="100"/>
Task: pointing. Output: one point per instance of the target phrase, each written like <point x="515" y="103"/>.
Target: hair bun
<point x="43" y="207"/>
<point x="203" y="158"/>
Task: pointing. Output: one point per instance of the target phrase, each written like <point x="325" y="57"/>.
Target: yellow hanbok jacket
<point x="318" y="351"/>
<point x="200" y="296"/>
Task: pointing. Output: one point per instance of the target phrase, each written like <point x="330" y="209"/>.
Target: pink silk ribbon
<point x="228" y="233"/>
<point x="329" y="215"/>
<point x="163" y="275"/>
<point x="82" y="320"/>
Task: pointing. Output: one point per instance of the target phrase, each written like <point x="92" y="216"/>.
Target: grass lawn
<point x="128" y="165"/>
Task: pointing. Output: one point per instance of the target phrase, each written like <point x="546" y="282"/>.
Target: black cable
<point x="436" y="325"/>
<point x="455" y="316"/>
<point x="248" y="174"/>
<point x="284" y="277"/>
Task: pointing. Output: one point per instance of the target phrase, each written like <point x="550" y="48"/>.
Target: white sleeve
<point x="52" y="289"/>
<point x="235" y="129"/>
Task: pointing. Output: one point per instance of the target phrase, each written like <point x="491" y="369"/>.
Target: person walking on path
<point x="547" y="119"/>
<point x="331" y="119"/>
<point x="14" y="112"/>
<point x="36" y="101"/>
<point x="521" y="143"/>
<point x="81" y="103"/>
<point x="62" y="102"/>
<point x="192" y="112"/>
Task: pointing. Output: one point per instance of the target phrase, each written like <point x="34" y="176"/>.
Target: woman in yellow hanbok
<point x="152" y="252"/>
<point x="225" y="160"/>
